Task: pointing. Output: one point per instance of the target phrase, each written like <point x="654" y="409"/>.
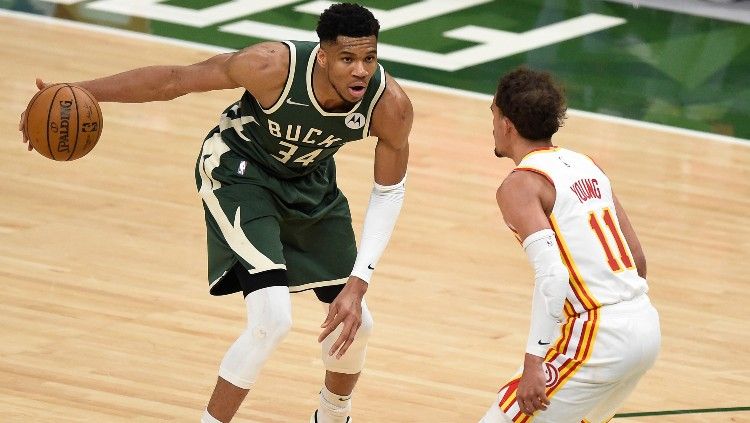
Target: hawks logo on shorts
<point x="553" y="375"/>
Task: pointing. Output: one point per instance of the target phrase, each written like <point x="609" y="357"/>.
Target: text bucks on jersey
<point x="296" y="133"/>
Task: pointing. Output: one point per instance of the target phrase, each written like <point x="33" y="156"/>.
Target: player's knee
<point x="271" y="328"/>
<point x="353" y="360"/>
<point x="269" y="321"/>
<point x="365" y="329"/>
<point x="245" y="358"/>
<point x="269" y="314"/>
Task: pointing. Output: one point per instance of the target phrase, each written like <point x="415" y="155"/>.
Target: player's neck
<point x="325" y="93"/>
<point x="522" y="148"/>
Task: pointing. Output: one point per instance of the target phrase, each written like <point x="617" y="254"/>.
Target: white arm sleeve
<point x="380" y="218"/>
<point x="550" y="289"/>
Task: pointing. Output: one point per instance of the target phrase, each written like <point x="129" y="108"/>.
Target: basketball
<point x="63" y="122"/>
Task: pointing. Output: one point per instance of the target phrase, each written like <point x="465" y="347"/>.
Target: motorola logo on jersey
<point x="355" y="120"/>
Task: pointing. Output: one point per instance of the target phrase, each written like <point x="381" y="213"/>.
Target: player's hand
<point x="24" y="139"/>
<point x="531" y="388"/>
<point x="345" y="310"/>
<point x="40" y="85"/>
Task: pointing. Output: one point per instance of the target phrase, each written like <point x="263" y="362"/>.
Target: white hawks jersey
<point x="592" y="246"/>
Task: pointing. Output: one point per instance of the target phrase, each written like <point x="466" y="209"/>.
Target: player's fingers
<point x="332" y="311"/>
<point x="330" y="327"/>
<point x="545" y="401"/>
<point x="349" y="340"/>
<point x="526" y="407"/>
<point x="40" y="84"/>
<point x="343" y="341"/>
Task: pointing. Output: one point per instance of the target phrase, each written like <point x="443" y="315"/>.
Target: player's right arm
<point x="261" y="69"/>
<point x="526" y="200"/>
<point x="258" y="68"/>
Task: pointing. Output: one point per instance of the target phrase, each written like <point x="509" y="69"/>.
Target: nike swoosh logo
<point x="542" y="343"/>
<point x="294" y="103"/>
<point x="369" y="266"/>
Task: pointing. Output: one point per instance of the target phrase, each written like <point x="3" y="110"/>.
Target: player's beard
<point x="347" y="104"/>
<point x="498" y="154"/>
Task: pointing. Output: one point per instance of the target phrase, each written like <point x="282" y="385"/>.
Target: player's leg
<point x="259" y="273"/>
<point x="269" y="318"/>
<point x="571" y="397"/>
<point x="242" y="224"/>
<point x="644" y="337"/>
<point x="624" y="346"/>
<point x="341" y="374"/>
<point x="320" y="255"/>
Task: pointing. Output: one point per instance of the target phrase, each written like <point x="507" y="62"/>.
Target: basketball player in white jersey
<point x="594" y="332"/>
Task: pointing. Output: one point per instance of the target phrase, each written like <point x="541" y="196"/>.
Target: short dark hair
<point x="532" y="101"/>
<point x="348" y="20"/>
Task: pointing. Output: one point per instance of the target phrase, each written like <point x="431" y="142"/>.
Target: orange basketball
<point x="63" y="122"/>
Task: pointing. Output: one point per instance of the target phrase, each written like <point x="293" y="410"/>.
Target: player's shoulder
<point x="394" y="95"/>
<point x="521" y="182"/>
<point x="393" y="114"/>
<point x="261" y="68"/>
<point x="265" y="56"/>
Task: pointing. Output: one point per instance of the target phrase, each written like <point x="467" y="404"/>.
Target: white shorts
<point x="592" y="367"/>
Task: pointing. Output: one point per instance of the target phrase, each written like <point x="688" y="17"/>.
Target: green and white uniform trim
<point x="295" y="133"/>
<point x="267" y="178"/>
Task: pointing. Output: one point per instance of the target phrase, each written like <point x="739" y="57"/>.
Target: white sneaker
<point x="314" y="418"/>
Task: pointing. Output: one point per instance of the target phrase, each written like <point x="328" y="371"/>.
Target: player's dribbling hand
<point x="531" y="394"/>
<point x="39" y="85"/>
<point x="346" y="310"/>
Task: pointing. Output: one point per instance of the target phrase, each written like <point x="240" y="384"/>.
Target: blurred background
<point x="682" y="63"/>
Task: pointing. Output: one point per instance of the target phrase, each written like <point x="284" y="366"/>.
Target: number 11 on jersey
<point x="625" y="261"/>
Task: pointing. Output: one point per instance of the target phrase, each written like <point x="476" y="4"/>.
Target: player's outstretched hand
<point x="345" y="310"/>
<point x="531" y="388"/>
<point x="40" y="85"/>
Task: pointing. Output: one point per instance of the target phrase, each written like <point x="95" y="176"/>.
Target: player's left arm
<point x="391" y="124"/>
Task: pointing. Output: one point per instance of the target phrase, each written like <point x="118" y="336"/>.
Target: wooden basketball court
<point x="105" y="310"/>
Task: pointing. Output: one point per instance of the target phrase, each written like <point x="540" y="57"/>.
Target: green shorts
<point x="302" y="225"/>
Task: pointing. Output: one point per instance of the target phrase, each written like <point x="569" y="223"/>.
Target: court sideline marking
<point x="691" y="411"/>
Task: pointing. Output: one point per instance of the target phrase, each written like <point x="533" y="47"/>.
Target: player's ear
<point x="321" y="58"/>
<point x="508" y="127"/>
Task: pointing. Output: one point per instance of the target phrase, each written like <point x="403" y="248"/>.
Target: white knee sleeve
<point x="269" y="316"/>
<point x="354" y="360"/>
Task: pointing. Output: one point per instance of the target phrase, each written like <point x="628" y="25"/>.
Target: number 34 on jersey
<point x="307" y="147"/>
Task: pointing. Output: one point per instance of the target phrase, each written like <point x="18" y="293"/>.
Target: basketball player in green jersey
<point x="276" y="220"/>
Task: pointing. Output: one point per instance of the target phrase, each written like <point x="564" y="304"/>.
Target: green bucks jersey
<point x="291" y="137"/>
